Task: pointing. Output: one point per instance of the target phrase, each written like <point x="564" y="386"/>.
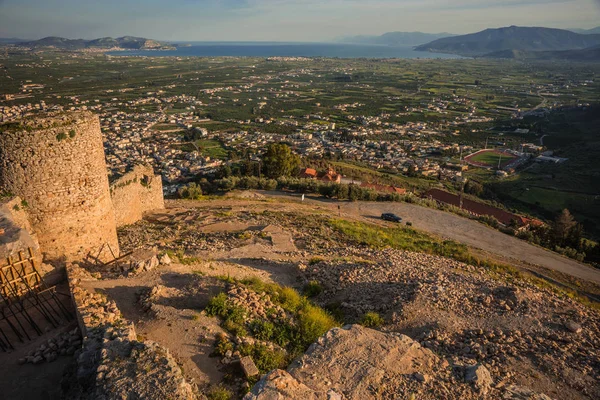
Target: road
<point x="463" y="230"/>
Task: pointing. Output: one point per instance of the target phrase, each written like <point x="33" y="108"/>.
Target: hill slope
<point x="125" y="42"/>
<point x="591" y="54"/>
<point x="512" y="38"/>
<point x="397" y="38"/>
<point x="592" y="31"/>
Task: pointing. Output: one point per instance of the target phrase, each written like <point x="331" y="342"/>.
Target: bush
<point x="314" y="260"/>
<point x="312" y="289"/>
<point x="262" y="330"/>
<point x="265" y="359"/>
<point x="219" y="393"/>
<point x="223" y="346"/>
<point x="314" y="322"/>
<point x="190" y="192"/>
<point x="372" y="320"/>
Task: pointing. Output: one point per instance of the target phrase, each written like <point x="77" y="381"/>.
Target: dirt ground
<point x="35" y="382"/>
<point x="463" y="230"/>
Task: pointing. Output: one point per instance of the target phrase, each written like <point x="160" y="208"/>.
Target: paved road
<point x="466" y="231"/>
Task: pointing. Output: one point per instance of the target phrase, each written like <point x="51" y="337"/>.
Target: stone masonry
<point x="136" y="192"/>
<point x="56" y="164"/>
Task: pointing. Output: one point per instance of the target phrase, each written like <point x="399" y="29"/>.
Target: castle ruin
<point x="56" y="165"/>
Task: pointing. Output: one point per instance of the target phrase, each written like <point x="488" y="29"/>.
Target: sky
<point x="281" y="20"/>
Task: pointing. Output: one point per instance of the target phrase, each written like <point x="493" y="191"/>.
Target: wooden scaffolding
<point x="23" y="290"/>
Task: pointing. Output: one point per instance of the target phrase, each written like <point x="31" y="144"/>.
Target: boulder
<point x="279" y="384"/>
<point x="479" y="376"/>
<point x="165" y="259"/>
<point x="248" y="366"/>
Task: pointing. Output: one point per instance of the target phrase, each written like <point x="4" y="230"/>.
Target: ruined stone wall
<point x="135" y="193"/>
<point x="112" y="363"/>
<point x="16" y="233"/>
<point x="56" y="164"/>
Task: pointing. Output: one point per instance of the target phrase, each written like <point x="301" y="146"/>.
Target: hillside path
<point x="460" y="229"/>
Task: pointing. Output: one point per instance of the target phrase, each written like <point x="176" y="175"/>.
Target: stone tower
<point x="56" y="164"/>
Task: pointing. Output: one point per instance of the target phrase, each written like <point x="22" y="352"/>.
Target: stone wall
<point x="112" y="363"/>
<point x="135" y="193"/>
<point x="56" y="164"/>
<point x="16" y="233"/>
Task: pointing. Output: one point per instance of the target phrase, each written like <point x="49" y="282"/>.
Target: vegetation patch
<point x="372" y="320"/>
<point x="303" y="323"/>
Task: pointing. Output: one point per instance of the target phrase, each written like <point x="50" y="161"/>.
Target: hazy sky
<point x="281" y="20"/>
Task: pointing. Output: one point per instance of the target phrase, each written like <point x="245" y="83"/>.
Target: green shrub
<point x="236" y="328"/>
<point x="72" y="133"/>
<point x="262" y="330"/>
<point x="372" y="320"/>
<point x="223" y="346"/>
<point x="265" y="359"/>
<point x="61" y="136"/>
<point x="312" y="289"/>
<point x="314" y="260"/>
<point x="192" y="191"/>
<point x="217" y="306"/>
<point x="219" y="393"/>
<point x="314" y="322"/>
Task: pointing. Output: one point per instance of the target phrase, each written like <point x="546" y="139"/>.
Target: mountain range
<point x="396" y="38"/>
<point x="492" y="42"/>
<point x="592" y="31"/>
<point x="125" y="42"/>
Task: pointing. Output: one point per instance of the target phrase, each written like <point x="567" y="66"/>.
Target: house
<point x="308" y="173"/>
<point x="329" y="176"/>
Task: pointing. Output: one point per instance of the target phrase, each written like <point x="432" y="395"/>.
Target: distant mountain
<point x="593" y="31"/>
<point x="591" y="54"/>
<point x="396" y="38"/>
<point x="11" y="40"/>
<point x="511" y="38"/>
<point x="125" y="42"/>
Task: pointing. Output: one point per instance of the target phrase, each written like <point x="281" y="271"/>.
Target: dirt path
<point x="454" y="227"/>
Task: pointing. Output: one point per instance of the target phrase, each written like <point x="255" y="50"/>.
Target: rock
<point x="249" y="367"/>
<point x="514" y="392"/>
<point x="279" y="384"/>
<point x="573" y="327"/>
<point x="332" y="395"/>
<point x="479" y="376"/>
<point x="165" y="259"/>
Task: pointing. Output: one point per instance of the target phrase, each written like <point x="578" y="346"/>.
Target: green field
<point x="491" y="158"/>
<point x="212" y="148"/>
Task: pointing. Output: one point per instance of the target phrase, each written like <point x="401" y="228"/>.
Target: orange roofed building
<point x="329" y="176"/>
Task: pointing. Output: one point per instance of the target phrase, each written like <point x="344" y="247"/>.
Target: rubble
<point x="65" y="344"/>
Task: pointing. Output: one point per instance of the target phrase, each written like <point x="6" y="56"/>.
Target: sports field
<point x="489" y="158"/>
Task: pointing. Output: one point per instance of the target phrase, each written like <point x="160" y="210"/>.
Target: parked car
<point x="391" y="217"/>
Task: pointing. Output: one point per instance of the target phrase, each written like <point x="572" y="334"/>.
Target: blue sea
<point x="270" y="49"/>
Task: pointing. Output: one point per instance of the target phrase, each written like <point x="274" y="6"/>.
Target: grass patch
<point x="402" y="238"/>
<point x="312" y="289"/>
<point x="295" y="334"/>
<point x="372" y="320"/>
<point x="265" y="359"/>
<point x="219" y="393"/>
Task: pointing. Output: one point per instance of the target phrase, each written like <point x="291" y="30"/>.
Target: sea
<point x="278" y="49"/>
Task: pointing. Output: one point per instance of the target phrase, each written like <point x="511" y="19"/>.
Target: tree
<point x="474" y="188"/>
<point x="562" y="227"/>
<point x="279" y="160"/>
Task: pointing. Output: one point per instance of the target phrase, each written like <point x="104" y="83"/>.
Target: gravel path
<point x="462" y="230"/>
